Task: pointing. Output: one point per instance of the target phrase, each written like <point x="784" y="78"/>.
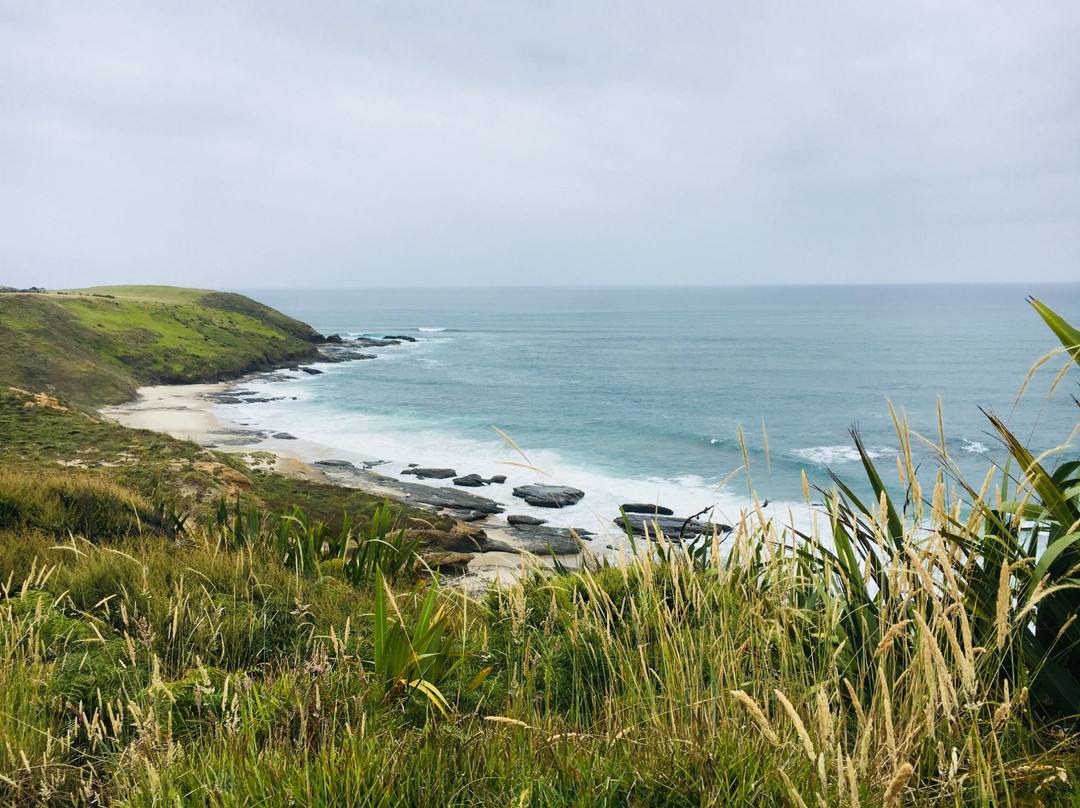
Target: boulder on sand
<point x="549" y="496"/>
<point x="517" y="519"/>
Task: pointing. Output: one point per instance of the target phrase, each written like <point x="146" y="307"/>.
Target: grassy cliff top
<point x="96" y="346"/>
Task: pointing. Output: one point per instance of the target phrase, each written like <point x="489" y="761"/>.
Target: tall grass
<point x="918" y="650"/>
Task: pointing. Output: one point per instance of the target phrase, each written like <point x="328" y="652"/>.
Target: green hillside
<point x="96" y="346"/>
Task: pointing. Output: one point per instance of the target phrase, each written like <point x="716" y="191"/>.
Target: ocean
<point x="639" y="394"/>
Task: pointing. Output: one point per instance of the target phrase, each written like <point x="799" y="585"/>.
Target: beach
<point x="186" y="412"/>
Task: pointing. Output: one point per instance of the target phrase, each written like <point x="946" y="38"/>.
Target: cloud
<point x="423" y="143"/>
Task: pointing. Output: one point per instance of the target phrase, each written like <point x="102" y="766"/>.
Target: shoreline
<point x="184" y="411"/>
<point x="592" y="527"/>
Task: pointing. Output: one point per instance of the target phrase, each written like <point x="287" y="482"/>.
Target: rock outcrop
<point x="652" y="510"/>
<point x="345" y="473"/>
<point x="469" y="481"/>
<point x="475" y="480"/>
<point x="430" y="474"/>
<point x="672" y="527"/>
<point x="542" y="540"/>
<point x="518" y="519"/>
<point x="549" y="496"/>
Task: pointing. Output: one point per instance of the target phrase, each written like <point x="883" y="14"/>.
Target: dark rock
<point x="227" y="399"/>
<point x="652" y="510"/>
<point x="468" y="516"/>
<point x="672" y="528"/>
<point x="371" y="342"/>
<point x="243" y="433"/>
<point x="470" y="481"/>
<point x="414" y="493"/>
<point x="549" y="496"/>
<point x="498" y="478"/>
<point x="402" y="339"/>
<point x="370" y="464"/>
<point x="335" y="464"/>
<point x="312" y="371"/>
<point x="430" y="474"/>
<point x="543" y="540"/>
<point x="340" y="353"/>
<point x="334" y="339"/>
<point x="284" y="436"/>
<point x="517" y="519"/>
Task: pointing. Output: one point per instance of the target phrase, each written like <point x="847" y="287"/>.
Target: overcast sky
<point x="267" y="143"/>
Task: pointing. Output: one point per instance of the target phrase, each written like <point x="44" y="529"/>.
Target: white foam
<point x="975" y="447"/>
<point x="841" y="453"/>
<point x="431" y="330"/>
<point x="399" y="441"/>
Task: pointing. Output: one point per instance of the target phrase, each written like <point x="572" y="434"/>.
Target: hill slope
<point x="96" y="346"/>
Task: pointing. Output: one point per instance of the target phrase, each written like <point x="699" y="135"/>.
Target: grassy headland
<point x="95" y="346"/>
<point x="921" y="651"/>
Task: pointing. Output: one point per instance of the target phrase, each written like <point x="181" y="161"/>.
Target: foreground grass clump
<point x="897" y="655"/>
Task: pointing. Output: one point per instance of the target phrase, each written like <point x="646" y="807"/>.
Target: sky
<point x="367" y="144"/>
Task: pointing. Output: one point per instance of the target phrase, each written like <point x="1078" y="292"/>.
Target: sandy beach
<point x="185" y="411"/>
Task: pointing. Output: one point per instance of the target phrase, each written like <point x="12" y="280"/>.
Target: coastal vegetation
<point x="96" y="346"/>
<point x="179" y="628"/>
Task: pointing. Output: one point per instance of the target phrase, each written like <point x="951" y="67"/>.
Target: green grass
<point x="906" y="657"/>
<point x="95" y="346"/>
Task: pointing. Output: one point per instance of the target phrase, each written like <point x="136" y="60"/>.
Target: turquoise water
<point x="641" y="393"/>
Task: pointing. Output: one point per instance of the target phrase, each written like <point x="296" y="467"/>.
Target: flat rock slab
<point x="335" y="464"/>
<point x="468" y="516"/>
<point x="341" y="353"/>
<point x="672" y="527"/>
<point x="549" y="496"/>
<point x="373" y="342"/>
<point x="430" y="474"/>
<point x="346" y="473"/>
<point x="518" y="519"/>
<point x="542" y="540"/>
<point x="652" y="510"/>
